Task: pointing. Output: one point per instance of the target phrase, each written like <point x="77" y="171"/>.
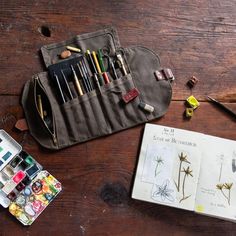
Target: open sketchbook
<point x="187" y="170"/>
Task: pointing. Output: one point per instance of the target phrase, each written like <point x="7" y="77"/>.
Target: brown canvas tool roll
<point x="141" y="94"/>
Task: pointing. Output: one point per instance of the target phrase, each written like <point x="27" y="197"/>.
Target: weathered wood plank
<point x="193" y="38"/>
<point x="97" y="177"/>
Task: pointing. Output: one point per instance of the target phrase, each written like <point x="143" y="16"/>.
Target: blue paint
<point x="6" y="156"/>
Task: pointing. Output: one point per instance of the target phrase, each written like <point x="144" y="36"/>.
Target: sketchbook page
<point x="216" y="192"/>
<point x="168" y="167"/>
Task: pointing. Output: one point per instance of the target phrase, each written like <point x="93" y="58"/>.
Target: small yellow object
<point x="199" y="208"/>
<point x="193" y="102"/>
<point x="73" y="49"/>
<point x="96" y="62"/>
<point x="189" y="112"/>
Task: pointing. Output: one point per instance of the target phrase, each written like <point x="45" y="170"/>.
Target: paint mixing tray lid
<point x="9" y="148"/>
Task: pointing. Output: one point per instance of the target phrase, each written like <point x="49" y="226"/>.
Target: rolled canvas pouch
<point x="101" y="111"/>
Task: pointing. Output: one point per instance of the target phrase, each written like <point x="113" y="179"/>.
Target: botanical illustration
<point x="221" y="163"/>
<point x="163" y="192"/>
<point x="159" y="162"/>
<point x="234" y="162"/>
<point x="187" y="172"/>
<point x="225" y="189"/>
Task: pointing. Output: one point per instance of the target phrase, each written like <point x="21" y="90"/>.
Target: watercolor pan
<point x="10" y="148"/>
<point x="30" y="203"/>
<point x="25" y="187"/>
<point x="15" y="162"/>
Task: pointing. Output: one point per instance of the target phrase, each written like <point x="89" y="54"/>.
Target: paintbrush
<point x="228" y="110"/>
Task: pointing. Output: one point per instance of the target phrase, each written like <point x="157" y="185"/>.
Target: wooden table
<point x="192" y="37"/>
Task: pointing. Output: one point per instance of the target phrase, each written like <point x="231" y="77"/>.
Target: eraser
<point x="146" y="107"/>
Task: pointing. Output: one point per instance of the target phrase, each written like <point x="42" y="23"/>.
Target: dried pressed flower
<point x="187" y="171"/>
<point x="183" y="158"/>
<point x="228" y="185"/>
<point x="220" y="186"/>
<point x="225" y="186"/>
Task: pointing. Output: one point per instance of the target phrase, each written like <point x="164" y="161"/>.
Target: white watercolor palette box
<point x="25" y="188"/>
<point x="187" y="170"/>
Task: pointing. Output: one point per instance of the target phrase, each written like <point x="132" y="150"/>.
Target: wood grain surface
<point x="192" y="37"/>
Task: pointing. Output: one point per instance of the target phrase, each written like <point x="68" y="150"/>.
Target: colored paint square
<point x="18" y="177"/>
<point x="9" y="187"/>
<point x="6" y="156"/>
<point x="0" y="140"/>
<point x="15" y="162"/>
<point x="23" y="165"/>
<point x="23" y="154"/>
<point x="1" y="149"/>
<point x="11" y="196"/>
<point x="20" y="187"/>
<point x="1" y="185"/>
<point x="1" y="163"/>
<point x="29" y="160"/>
<point x="32" y="170"/>
<point x="26" y="180"/>
<point x="8" y="171"/>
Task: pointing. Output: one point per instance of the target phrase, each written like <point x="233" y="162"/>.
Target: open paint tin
<point x="24" y="186"/>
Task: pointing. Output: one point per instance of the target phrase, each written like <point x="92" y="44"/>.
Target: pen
<point x="112" y="67"/>
<point x="98" y="67"/>
<point x="91" y="61"/>
<point x="77" y="84"/>
<point x="120" y="59"/>
<point x="105" y="76"/>
<point x="96" y="62"/>
<point x="101" y="60"/>
<point x="94" y="69"/>
<point x="87" y="72"/>
<point x="223" y="106"/>
<point x="67" y="85"/>
<point x="84" y="70"/>
<point x="59" y="88"/>
<point x="83" y="78"/>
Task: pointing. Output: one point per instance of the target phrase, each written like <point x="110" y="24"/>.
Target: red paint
<point x="18" y="177"/>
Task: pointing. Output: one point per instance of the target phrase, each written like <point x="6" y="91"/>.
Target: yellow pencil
<point x="96" y="62"/>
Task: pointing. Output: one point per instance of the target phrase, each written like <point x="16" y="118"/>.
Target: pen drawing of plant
<point x="163" y="192"/>
<point x="221" y="163"/>
<point x="234" y="162"/>
<point x="159" y="162"/>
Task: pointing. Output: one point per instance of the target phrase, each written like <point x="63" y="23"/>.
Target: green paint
<point x="29" y="160"/>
